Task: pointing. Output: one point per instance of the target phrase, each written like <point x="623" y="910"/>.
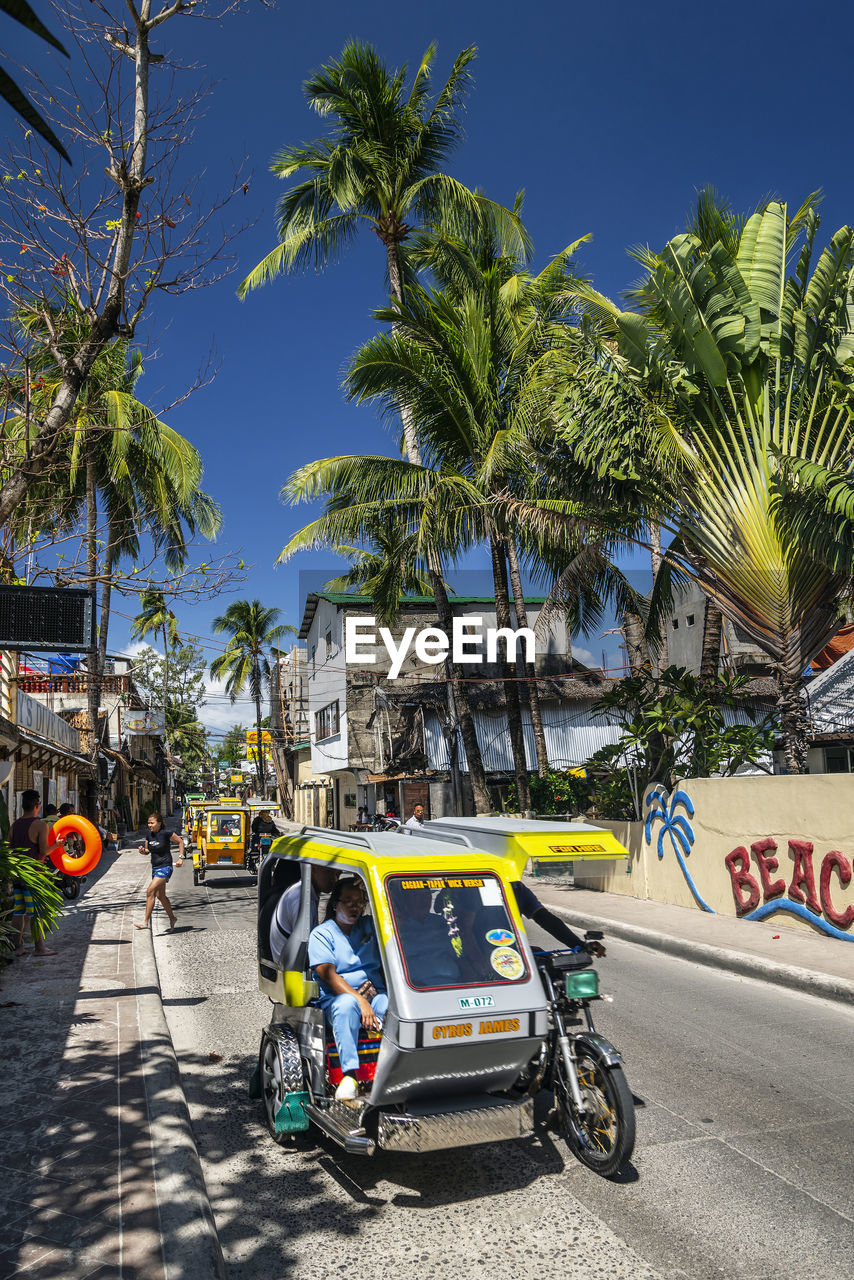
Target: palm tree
<point x="379" y="166"/>
<point x="746" y="371"/>
<point x="9" y="91"/>
<point x="155" y="618"/>
<point x="123" y="463"/>
<point x="252" y="630"/>
<point x="187" y="737"/>
<point x="386" y="569"/>
<point x="466" y="361"/>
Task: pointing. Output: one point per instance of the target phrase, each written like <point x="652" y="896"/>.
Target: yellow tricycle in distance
<point x="223" y="843"/>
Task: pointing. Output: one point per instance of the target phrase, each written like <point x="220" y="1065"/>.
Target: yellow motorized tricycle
<point x="476" y="1022"/>
<point x="223" y="842"/>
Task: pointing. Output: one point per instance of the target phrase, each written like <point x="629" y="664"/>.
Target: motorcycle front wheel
<point x="603" y="1137"/>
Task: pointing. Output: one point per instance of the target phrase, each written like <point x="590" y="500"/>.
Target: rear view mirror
<point x="594" y="935"/>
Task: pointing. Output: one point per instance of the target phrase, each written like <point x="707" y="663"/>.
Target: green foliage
<point x="378" y="166"/>
<point x="17" y="100"/>
<point x="557" y="792"/>
<point x="39" y="879"/>
<point x="673" y="726"/>
<point x="186" y="675"/>
<point x="187" y="737"/>
<point x="232" y="750"/>
<point x="747" y="368"/>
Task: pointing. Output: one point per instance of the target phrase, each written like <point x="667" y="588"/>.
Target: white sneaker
<point x="347" y="1091"/>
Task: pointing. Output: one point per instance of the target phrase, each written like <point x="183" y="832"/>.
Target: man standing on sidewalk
<point x="28" y="834"/>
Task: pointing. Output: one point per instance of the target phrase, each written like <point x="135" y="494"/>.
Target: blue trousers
<point x="345" y="1016"/>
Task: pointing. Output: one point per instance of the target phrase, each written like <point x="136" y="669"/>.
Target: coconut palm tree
<point x="380" y="167"/>
<point x="155" y="618"/>
<point x="466" y="359"/>
<point x="187" y="737"/>
<point x="387" y="569"/>
<point x="124" y="467"/>
<point x="253" y="630"/>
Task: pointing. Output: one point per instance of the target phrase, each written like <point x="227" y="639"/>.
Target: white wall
<point x="327" y="683"/>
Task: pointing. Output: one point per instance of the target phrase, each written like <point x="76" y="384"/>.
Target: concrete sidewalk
<point x="766" y="949"/>
<point x="99" y="1174"/>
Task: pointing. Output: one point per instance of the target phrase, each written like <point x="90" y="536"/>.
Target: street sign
<point x="252" y="737"/>
<point x="57" y="619"/>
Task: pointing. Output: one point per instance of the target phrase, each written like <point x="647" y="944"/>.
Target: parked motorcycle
<point x="70" y="886"/>
<point x="593" y="1103"/>
<point x="382" y="822"/>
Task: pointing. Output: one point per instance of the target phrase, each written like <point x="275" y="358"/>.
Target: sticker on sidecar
<point x="500" y="938"/>
<point x="477" y="1002"/>
<point x="577" y="848"/>
<point x="443" y="1032"/>
<point x="507" y="962"/>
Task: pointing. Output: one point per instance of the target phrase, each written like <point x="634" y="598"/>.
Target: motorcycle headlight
<point x="583" y="985"/>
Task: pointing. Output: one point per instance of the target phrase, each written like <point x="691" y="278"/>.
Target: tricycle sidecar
<point x="467" y="1012"/>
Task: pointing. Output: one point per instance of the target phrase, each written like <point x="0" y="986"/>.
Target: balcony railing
<point x="70" y="684"/>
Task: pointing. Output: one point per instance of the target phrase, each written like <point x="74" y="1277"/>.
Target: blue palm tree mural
<point x="677" y="827"/>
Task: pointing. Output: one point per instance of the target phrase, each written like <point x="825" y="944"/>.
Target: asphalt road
<point x="743" y="1165"/>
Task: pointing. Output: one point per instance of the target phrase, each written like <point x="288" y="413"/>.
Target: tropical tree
<point x="155" y="618"/>
<point x="466" y="360"/>
<point x="380" y="166"/>
<point x="125" y="468"/>
<point x="747" y="371"/>
<point x="386" y="569"/>
<point x="252" y="629"/>
<point x="187" y="737"/>
<point x="9" y="90"/>
<point x="187" y="671"/>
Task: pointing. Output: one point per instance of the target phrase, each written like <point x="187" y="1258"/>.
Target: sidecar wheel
<point x="280" y="1072"/>
<point x="604" y="1137"/>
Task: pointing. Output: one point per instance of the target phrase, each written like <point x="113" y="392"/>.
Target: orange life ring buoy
<point x="91" y="842"/>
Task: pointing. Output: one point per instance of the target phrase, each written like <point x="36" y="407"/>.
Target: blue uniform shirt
<point x="356" y="955"/>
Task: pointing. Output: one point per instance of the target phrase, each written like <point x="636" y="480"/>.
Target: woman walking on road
<point x="159" y="846"/>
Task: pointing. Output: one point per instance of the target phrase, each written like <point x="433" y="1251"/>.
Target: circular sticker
<point x="507" y="962"/>
<point x="500" y="938"/>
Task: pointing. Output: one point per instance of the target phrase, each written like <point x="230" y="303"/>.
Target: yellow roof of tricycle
<point x="505" y="849"/>
<point x="519" y="838"/>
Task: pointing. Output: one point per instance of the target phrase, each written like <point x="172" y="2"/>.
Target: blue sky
<point x="608" y="116"/>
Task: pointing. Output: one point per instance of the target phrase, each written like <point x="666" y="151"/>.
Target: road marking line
<point x="119" y="1134"/>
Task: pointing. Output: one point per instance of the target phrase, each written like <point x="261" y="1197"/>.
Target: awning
<point x="137" y="767"/>
<point x="80" y="763"/>
<point x="8" y="734"/>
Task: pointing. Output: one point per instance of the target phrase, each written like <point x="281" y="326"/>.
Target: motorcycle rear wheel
<point x="604" y="1137"/>
<point x="70" y="888"/>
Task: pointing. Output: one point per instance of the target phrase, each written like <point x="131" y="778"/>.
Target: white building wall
<point x="327" y="684"/>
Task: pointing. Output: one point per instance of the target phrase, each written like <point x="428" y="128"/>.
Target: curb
<point x="189" y="1241"/>
<point x="782" y="975"/>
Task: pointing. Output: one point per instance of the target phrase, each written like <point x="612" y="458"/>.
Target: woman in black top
<point x="159" y="847"/>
